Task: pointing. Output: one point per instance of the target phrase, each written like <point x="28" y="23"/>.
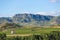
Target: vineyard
<point x="54" y="35"/>
<point x="31" y="34"/>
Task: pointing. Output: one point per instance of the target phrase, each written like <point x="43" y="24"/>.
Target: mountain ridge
<point x="31" y="20"/>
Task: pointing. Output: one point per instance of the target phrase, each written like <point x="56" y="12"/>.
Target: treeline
<point x="54" y="35"/>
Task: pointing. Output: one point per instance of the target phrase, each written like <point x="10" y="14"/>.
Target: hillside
<point x="32" y="20"/>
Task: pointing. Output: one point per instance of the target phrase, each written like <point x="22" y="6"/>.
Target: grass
<point x="31" y="30"/>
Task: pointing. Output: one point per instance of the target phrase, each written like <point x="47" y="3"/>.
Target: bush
<point x="2" y="36"/>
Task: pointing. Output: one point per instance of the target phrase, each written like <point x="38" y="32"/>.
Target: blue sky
<point x="12" y="7"/>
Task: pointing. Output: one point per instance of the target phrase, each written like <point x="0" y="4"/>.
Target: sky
<point x="44" y="7"/>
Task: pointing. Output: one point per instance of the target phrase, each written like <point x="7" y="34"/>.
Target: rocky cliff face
<point x="31" y="19"/>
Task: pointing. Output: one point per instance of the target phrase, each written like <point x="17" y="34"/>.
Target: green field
<point x="35" y="30"/>
<point x="35" y="33"/>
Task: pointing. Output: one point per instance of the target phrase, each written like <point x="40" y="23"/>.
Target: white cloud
<point x="53" y="0"/>
<point x="42" y="13"/>
<point x="52" y="13"/>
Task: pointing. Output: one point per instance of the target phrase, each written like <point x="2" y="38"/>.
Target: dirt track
<point x="19" y="35"/>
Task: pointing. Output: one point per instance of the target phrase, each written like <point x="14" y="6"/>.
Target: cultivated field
<point x="34" y="30"/>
